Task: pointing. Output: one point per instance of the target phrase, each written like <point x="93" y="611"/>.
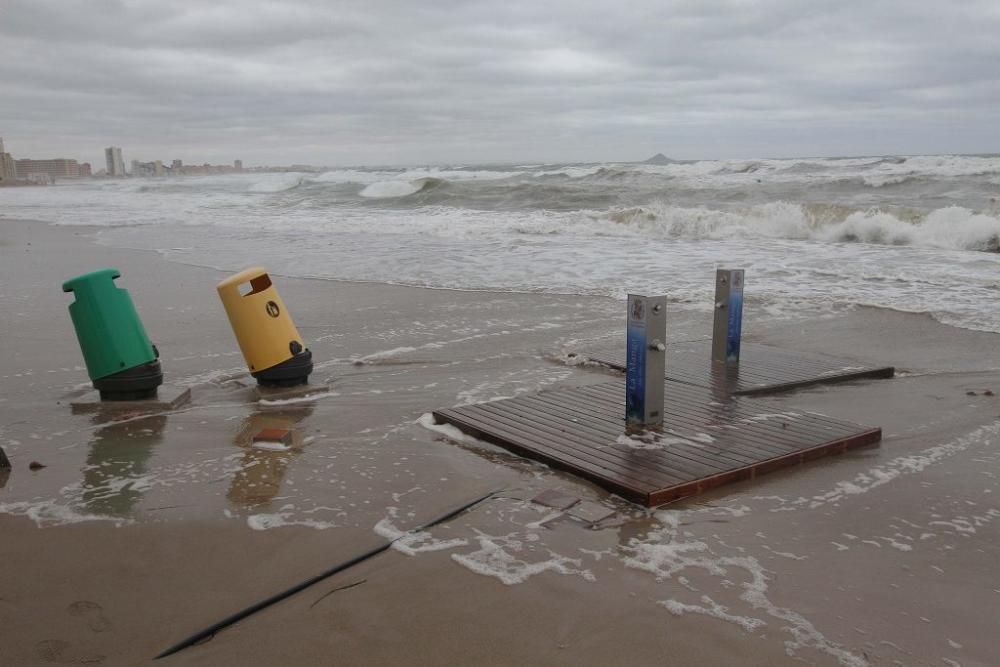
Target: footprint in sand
<point x="54" y="650"/>
<point x="93" y="613"/>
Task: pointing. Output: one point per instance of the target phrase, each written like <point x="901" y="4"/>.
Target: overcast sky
<point x="392" y="82"/>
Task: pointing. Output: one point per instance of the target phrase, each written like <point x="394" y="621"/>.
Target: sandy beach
<point x="140" y="532"/>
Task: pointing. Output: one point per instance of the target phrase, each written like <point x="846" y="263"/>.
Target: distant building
<point x="7" y="170"/>
<point x="143" y="168"/>
<point x="54" y="169"/>
<point x="85" y="170"/>
<point x="116" y="165"/>
<point x="177" y="165"/>
<point x="158" y="168"/>
<point x="238" y="165"/>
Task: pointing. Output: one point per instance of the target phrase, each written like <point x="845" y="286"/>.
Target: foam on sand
<point x="383" y="355"/>
<point x="447" y="430"/>
<point x="50" y="512"/>
<point x="895" y="468"/>
<point x="319" y="394"/>
<point x="669" y="550"/>
<point x="713" y="609"/>
<point x="503" y="557"/>
<point x="409" y="542"/>
<point x="279" y="519"/>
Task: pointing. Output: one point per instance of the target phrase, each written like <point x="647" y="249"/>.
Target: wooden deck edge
<point x="880" y="372"/>
<point x="448" y="417"/>
<point x="661" y="496"/>
<point x="606" y="363"/>
<point x="839" y="446"/>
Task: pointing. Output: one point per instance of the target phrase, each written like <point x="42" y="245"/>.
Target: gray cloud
<point x="391" y="82"/>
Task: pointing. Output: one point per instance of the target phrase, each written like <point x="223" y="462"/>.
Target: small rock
<point x="970" y="393"/>
<point x="4" y="461"/>
<point x="35" y="465"/>
<point x="988" y="392"/>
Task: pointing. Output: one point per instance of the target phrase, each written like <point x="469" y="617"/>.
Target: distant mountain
<point x="659" y="158"/>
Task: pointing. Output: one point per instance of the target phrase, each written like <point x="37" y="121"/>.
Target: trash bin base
<point x="288" y="373"/>
<point x="133" y="384"/>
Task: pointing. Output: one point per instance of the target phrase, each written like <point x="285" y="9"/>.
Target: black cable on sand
<point x="278" y="597"/>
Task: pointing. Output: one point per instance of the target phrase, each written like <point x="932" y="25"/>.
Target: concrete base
<point x="589" y="512"/>
<point x="168" y="397"/>
<point x="303" y="391"/>
<point x="555" y="499"/>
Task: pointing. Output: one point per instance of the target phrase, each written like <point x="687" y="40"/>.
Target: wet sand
<point x="139" y="533"/>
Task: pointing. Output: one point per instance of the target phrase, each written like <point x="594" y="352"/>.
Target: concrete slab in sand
<point x="168" y="397"/>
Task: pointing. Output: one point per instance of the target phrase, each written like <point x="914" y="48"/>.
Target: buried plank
<point x="763" y="369"/>
<point x="705" y="442"/>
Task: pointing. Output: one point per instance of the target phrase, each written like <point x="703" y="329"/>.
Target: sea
<point x="918" y="234"/>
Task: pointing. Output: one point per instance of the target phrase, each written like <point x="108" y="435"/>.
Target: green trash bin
<point x="121" y="362"/>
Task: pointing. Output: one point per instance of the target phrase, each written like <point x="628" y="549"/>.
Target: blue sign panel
<point x="734" y="329"/>
<point x="635" y="366"/>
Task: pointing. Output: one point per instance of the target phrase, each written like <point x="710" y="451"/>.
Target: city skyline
<point x="32" y="170"/>
<point x="100" y="163"/>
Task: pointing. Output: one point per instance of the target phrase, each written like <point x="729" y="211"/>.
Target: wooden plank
<point x="679" y="405"/>
<point x="593" y="451"/>
<point x="751" y="445"/>
<point x="579" y="429"/>
<point x="614" y="425"/>
<point x="635" y="491"/>
<point x="582" y="441"/>
<point x="861" y="439"/>
<point x="763" y="369"/>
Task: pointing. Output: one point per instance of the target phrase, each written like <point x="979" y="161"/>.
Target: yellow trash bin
<point x="270" y="343"/>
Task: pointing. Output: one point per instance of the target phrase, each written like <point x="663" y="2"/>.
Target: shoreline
<point x="97" y="230"/>
<point x="831" y="561"/>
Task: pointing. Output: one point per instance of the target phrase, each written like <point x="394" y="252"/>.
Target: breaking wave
<point x="392" y="189"/>
<point x="951" y="228"/>
<point x="277" y="183"/>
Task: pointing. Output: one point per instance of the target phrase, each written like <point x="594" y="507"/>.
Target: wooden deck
<point x="707" y="440"/>
<point x="763" y="369"/>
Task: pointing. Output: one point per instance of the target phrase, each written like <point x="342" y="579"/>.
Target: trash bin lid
<point x="91" y="278"/>
<point x="244" y="276"/>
